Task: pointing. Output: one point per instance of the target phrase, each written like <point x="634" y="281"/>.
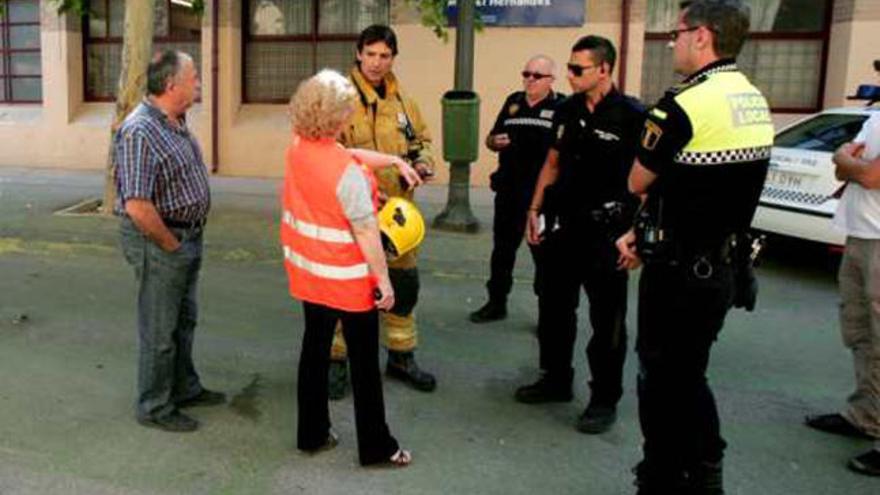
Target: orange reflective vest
<point x="323" y="261"/>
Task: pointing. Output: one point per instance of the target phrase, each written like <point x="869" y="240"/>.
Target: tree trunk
<point x="457" y="215"/>
<point x="137" y="46"/>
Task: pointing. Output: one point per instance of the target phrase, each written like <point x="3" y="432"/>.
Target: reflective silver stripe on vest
<point x="312" y="231"/>
<point x="332" y="272"/>
<point x="530" y="122"/>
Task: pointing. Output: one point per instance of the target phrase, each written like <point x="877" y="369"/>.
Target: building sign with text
<point x="525" y="12"/>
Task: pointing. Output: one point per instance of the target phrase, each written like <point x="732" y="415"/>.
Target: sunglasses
<point x="534" y="75"/>
<point x="578" y="70"/>
<point x="673" y="35"/>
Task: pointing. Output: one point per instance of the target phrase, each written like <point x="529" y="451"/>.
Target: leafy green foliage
<point x="75" y="7"/>
<point x="433" y="16"/>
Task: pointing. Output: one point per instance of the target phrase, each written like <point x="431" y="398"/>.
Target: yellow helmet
<point x="402" y="227"/>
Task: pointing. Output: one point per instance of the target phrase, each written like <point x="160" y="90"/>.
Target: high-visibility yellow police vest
<point x="713" y="186"/>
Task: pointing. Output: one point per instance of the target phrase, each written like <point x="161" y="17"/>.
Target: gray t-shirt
<point x="353" y="192"/>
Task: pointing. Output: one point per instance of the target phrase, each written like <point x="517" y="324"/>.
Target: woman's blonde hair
<point x="321" y="105"/>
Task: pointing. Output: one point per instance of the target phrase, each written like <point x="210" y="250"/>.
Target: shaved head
<point x="538" y="76"/>
<point x="544" y="62"/>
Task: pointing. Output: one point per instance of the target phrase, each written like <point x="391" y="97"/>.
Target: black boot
<point x="654" y="482"/>
<point x="337" y="379"/>
<point x="706" y="479"/>
<point x="546" y="389"/>
<point x="491" y="311"/>
<point x="596" y="419"/>
<point x="402" y="365"/>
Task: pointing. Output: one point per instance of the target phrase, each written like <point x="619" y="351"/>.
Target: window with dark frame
<point x="286" y="41"/>
<point x="176" y="26"/>
<point x="785" y="55"/>
<point x="21" y="79"/>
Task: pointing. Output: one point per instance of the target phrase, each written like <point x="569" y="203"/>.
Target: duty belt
<point x="184" y="224"/>
<point x="700" y="260"/>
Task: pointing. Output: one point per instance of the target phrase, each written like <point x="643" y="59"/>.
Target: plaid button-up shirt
<point x="161" y="162"/>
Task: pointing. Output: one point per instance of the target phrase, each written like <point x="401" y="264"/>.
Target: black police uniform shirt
<point x="596" y="151"/>
<point x="531" y="131"/>
<point x="702" y="197"/>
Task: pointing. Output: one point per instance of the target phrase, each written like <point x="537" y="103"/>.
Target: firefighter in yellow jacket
<point x="386" y="120"/>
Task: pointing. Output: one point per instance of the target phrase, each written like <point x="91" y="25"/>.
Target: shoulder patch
<point x="512" y="109"/>
<point x="651" y="135"/>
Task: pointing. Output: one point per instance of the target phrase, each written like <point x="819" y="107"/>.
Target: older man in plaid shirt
<point x="162" y="186"/>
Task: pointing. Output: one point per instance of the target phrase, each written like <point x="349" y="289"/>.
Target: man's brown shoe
<point x="867" y="463"/>
<point x="174" y="422"/>
<point x="204" y="398"/>
<point x="837" y="424"/>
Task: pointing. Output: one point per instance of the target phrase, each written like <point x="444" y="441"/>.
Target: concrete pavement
<point x="67" y="370"/>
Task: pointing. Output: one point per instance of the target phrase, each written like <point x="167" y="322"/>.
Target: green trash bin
<point x="461" y="126"/>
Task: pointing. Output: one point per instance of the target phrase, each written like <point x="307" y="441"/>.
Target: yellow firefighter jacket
<point x="380" y="124"/>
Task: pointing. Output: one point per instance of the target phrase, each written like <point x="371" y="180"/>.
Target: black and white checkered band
<point x="787" y="195"/>
<point x="723" y="157"/>
<point x="701" y="76"/>
<point x="722" y="68"/>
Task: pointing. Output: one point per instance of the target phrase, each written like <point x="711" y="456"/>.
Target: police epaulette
<point x="684" y="86"/>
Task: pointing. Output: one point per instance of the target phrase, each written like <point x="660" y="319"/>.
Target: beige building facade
<point x="242" y="121"/>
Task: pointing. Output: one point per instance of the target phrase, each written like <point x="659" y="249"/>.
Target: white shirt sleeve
<point x="862" y="136"/>
<point x="870" y="137"/>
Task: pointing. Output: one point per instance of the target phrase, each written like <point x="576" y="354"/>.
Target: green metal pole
<point x="457" y="216"/>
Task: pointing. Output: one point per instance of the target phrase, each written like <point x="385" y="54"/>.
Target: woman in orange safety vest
<point x="336" y="265"/>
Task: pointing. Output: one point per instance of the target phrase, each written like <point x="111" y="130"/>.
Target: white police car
<point x="798" y="199"/>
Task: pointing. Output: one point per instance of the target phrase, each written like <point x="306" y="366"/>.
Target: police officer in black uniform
<point x="522" y="135"/>
<point x="583" y="198"/>
<point x="701" y="163"/>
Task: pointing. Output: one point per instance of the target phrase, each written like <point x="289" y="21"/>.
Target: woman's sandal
<point x="401" y="458"/>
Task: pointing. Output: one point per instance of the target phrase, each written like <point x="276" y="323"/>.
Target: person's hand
<point x="626" y="246"/>
<point x="497" y="142"/>
<point x="385" y="296"/>
<point x="170" y="247"/>
<point x="410" y="175"/>
<point x="424" y="170"/>
<point x="382" y="196"/>
<point x="854" y="150"/>
<point x="533" y="228"/>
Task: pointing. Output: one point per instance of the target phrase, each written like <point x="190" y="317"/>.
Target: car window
<point x="824" y="132"/>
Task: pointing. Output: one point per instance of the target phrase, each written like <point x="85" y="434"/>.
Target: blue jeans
<point x="167" y="315"/>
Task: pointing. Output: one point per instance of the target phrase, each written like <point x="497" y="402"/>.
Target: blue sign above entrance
<point x="525" y="12"/>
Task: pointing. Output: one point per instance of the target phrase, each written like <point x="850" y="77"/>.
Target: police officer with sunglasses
<point x="522" y="135"/>
<point x="582" y="196"/>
